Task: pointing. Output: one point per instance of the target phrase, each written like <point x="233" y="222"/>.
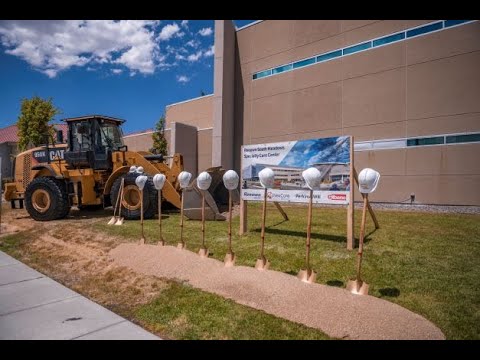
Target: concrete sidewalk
<point x="33" y="306"/>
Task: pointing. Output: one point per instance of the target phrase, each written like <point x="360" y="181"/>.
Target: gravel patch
<point x="332" y="310"/>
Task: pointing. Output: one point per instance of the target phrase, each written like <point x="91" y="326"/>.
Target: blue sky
<point x="125" y="69"/>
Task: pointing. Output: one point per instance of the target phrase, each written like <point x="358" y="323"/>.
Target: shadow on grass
<point x="303" y="234"/>
<point x="390" y="292"/>
<point x="336" y="283"/>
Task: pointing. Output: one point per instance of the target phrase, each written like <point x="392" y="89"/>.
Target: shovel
<point x="230" y="257"/>
<point x="203" y="252"/>
<point x="358" y="286"/>
<point x="181" y="245"/>
<point x="120" y="217"/>
<point x="162" y="241"/>
<point x="308" y="275"/>
<point x="262" y="262"/>
<point x="113" y="220"/>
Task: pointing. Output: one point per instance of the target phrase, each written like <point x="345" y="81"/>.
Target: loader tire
<point x="130" y="201"/>
<point x="47" y="199"/>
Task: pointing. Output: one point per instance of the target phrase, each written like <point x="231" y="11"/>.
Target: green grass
<point x="187" y="313"/>
<point x="428" y="263"/>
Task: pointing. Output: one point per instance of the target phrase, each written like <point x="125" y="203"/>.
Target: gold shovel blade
<point x="229" y="260"/>
<point x="307" y="277"/>
<point x="357" y="287"/>
<point x="203" y="253"/>
<point x="119" y="221"/>
<point x="112" y="221"/>
<point x="262" y="264"/>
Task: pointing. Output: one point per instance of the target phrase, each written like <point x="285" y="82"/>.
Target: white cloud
<point x="179" y="57"/>
<point x="117" y="71"/>
<point x="184" y="23"/>
<point x="183" y="79"/>
<point x="206" y="31"/>
<point x="168" y="31"/>
<point x="193" y="43"/>
<point x="195" y="57"/>
<point x="209" y="52"/>
<point x="53" y="46"/>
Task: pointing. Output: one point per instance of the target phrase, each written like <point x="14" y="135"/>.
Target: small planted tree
<point x="33" y="121"/>
<point x="160" y="145"/>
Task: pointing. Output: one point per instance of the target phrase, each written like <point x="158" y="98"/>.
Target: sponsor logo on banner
<point x="337" y="197"/>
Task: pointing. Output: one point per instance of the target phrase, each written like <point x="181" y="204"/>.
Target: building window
<point x="357" y="48"/>
<point x="328" y="56"/>
<point x="449" y="23"/>
<point x="282" y="68"/>
<point x="437" y="140"/>
<point x="262" y="74"/>
<point x="425" y="29"/>
<point x="303" y="63"/>
<point x="463" y="138"/>
<point x="389" y="39"/>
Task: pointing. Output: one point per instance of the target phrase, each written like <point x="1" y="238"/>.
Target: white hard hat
<point x="184" y="179"/>
<point x="368" y="180"/>
<point x="230" y="180"/>
<point x="267" y="177"/>
<point x="141" y="181"/>
<point x="140" y="170"/>
<point x="159" y="181"/>
<point x="133" y="169"/>
<point x="312" y="177"/>
<point x="204" y="180"/>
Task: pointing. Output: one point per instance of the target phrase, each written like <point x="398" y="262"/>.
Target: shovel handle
<point x="362" y="234"/>
<point x="229" y="221"/>
<point x="309" y="231"/>
<point x="264" y="215"/>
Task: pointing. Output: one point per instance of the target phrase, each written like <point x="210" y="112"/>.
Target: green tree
<point x="159" y="142"/>
<point x="33" y="127"/>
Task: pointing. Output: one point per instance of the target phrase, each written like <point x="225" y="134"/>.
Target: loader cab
<point x="92" y="140"/>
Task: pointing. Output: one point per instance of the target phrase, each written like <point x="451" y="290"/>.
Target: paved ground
<point x="333" y="310"/>
<point x="33" y="306"/>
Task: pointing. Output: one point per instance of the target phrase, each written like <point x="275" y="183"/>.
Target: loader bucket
<point x="216" y="198"/>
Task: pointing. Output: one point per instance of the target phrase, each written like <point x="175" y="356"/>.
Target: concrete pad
<point x="10" y="274"/>
<point x="7" y="260"/>
<point x="27" y="294"/>
<point x="122" y="331"/>
<point x="61" y="320"/>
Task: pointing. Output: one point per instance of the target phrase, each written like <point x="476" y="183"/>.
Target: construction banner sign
<point x="288" y="160"/>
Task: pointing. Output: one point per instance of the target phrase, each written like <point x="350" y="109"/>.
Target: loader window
<point x="110" y="135"/>
<point x="81" y="138"/>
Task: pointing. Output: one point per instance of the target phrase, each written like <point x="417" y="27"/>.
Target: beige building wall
<point x="429" y="85"/>
<point x="196" y="112"/>
<point x="142" y="141"/>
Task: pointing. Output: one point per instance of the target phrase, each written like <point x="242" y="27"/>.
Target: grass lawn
<point x="428" y="263"/>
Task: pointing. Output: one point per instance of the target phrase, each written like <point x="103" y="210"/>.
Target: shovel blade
<point x="203" y="253"/>
<point x="112" y="221"/>
<point x="119" y="221"/>
<point x="262" y="264"/>
<point x="357" y="287"/>
<point x="229" y="260"/>
<point x="307" y="276"/>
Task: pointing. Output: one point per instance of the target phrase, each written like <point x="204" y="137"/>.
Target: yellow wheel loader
<point x="87" y="172"/>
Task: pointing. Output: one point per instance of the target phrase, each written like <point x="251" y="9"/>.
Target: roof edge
<point x="185" y="101"/>
<point x="248" y="25"/>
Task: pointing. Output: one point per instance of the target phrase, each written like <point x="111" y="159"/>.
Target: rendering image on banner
<point x="331" y="156"/>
